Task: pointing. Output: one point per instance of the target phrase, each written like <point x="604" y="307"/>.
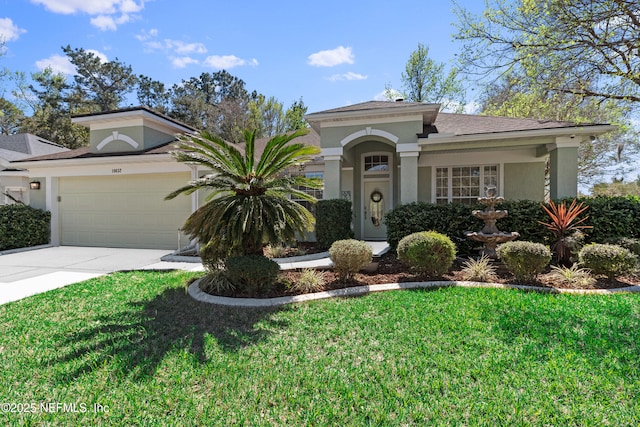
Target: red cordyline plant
<point x="564" y="221"/>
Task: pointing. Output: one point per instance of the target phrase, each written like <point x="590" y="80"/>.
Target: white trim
<point x="330" y="158"/>
<point x="331" y="152"/>
<point x="106" y="160"/>
<point x="378" y="120"/>
<point x="375" y="177"/>
<point x="428" y="111"/>
<point x="14" y="189"/>
<point x="484" y="137"/>
<point x="473" y="158"/>
<point x="434" y="175"/>
<point x="120" y="123"/>
<point x="130" y="116"/>
<point x="111" y="168"/>
<point x="409" y="154"/>
<point x="117" y="136"/>
<point x="564" y="142"/>
<point x="369" y="131"/>
<point x="403" y="148"/>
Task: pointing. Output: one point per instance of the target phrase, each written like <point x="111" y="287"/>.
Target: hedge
<point x="611" y="217"/>
<point x="22" y="226"/>
<point x="454" y="219"/>
<point x="333" y="221"/>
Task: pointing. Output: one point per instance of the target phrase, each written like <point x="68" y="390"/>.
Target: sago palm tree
<point x="249" y="203"/>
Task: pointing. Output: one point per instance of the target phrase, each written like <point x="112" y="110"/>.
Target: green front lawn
<point x="136" y="344"/>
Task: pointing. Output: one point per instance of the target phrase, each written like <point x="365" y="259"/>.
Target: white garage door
<point x="127" y="211"/>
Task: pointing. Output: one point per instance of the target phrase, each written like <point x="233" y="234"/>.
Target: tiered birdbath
<point x="490" y="235"/>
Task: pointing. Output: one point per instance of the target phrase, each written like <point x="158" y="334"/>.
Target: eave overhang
<point x="439" y="142"/>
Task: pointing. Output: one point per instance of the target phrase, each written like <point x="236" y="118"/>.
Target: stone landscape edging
<point x="196" y="293"/>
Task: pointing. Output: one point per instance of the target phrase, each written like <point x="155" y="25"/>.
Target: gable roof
<point x="108" y="116"/>
<point x="83" y="153"/>
<point x="312" y="138"/>
<point x="372" y="106"/>
<point x="443" y="123"/>
<point x="468" y="124"/>
<point x="24" y="145"/>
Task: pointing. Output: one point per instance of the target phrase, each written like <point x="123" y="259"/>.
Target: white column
<point x="332" y="173"/>
<point x="409" y="154"/>
<point x="52" y="204"/>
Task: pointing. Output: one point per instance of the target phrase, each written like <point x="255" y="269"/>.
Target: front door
<point x="376" y="201"/>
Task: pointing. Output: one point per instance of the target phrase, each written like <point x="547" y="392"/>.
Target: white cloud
<point x="178" y="48"/>
<point x="9" y="31"/>
<point x="331" y="58"/>
<point x="347" y="76"/>
<point x="108" y="22"/>
<point x="183" y="48"/>
<point x="104" y="22"/>
<point x="58" y="63"/>
<point x="147" y="35"/>
<point x="226" y="62"/>
<point x="101" y="56"/>
<point x="61" y="63"/>
<point x="106" y="14"/>
<point x="183" y="61"/>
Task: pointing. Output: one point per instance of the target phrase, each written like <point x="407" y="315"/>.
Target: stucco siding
<point x="37" y="198"/>
<point x="404" y="131"/>
<point x="524" y="181"/>
<point x="424" y="184"/>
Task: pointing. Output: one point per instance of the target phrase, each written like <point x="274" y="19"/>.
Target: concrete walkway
<point x="321" y="260"/>
<point x="24" y="273"/>
<point x="28" y="272"/>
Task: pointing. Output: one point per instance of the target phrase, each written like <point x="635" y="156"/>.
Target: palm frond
<point x="248" y="203"/>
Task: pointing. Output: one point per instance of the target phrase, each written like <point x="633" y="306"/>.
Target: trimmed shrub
<point x="524" y="259"/>
<point x="252" y="273"/>
<point x="22" y="226"/>
<point x="427" y="252"/>
<point x="333" y="221"/>
<point x="454" y="219"/>
<point x="349" y="256"/>
<point x="609" y="260"/>
<point x="611" y="217"/>
<point x="632" y="244"/>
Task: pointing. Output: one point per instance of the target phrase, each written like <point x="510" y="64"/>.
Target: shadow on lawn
<point x="140" y="337"/>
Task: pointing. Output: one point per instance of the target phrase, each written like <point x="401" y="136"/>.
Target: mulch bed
<point x="390" y="270"/>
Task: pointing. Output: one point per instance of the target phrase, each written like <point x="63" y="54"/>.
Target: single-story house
<point x="381" y="154"/>
<point x="376" y="154"/>
<point x="14" y="182"/>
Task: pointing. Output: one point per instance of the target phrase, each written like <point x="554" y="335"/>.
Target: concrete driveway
<point x="34" y="271"/>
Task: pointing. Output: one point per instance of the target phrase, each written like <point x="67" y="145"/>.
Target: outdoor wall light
<point x="34" y="185"/>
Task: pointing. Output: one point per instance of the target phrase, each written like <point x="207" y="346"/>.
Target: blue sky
<point x="330" y="53"/>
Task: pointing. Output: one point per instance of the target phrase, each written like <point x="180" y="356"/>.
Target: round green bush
<point x="633" y="244"/>
<point x="349" y="256"/>
<point x="252" y="273"/>
<point x="609" y="260"/>
<point x="524" y="259"/>
<point x="427" y="252"/>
